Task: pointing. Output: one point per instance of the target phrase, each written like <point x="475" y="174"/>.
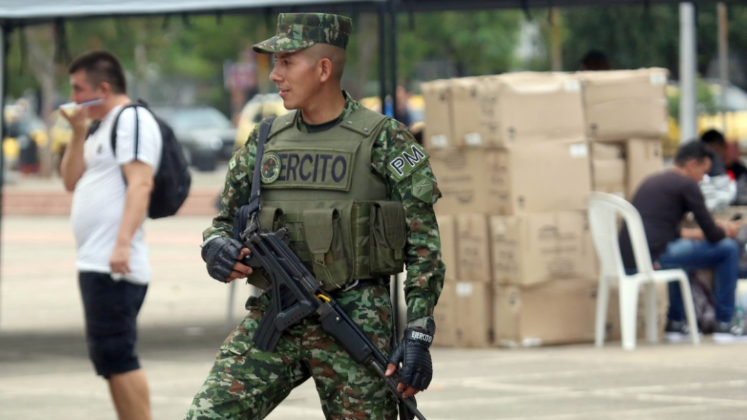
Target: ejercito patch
<point x="406" y="162"/>
<point x="271" y="166"/>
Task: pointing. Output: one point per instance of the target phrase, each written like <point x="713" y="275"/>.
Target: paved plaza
<point x="44" y="372"/>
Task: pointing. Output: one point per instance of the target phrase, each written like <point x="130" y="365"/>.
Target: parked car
<point x="261" y="106"/>
<point x="206" y="135"/>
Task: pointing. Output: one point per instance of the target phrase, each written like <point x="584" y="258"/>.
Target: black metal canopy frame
<point x="15" y="14"/>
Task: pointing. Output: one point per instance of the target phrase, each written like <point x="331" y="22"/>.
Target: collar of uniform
<point x="350" y="106"/>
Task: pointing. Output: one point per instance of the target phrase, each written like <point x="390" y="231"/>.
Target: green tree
<point x="477" y="43"/>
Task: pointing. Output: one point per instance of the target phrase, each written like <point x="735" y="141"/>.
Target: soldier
<point x="356" y="193"/>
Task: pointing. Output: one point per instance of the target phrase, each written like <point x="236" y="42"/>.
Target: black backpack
<point x="172" y="180"/>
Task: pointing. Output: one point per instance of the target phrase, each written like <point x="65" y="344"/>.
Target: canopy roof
<point x="36" y="11"/>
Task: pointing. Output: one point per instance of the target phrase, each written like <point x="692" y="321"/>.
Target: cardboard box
<point x="543" y="177"/>
<point x="644" y="158"/>
<point x="539" y="248"/>
<point x="532" y="107"/>
<point x="528" y="178"/>
<point x="472" y="107"/>
<point x="474" y="314"/>
<point x="447" y="231"/>
<point x="625" y="104"/>
<point x="612" y="330"/>
<point x="467" y="180"/>
<point x="609" y="175"/>
<point x="437" y="114"/>
<point x="551" y="313"/>
<point x="445" y="316"/>
<point x="608" y="151"/>
<point x="473" y="247"/>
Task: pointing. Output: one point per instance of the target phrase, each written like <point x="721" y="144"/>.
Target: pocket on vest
<point x="322" y="231"/>
<point x="388" y="238"/>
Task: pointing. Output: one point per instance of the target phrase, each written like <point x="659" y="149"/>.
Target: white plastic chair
<point x="603" y="211"/>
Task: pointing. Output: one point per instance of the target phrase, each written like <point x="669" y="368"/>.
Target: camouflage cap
<point x="298" y="31"/>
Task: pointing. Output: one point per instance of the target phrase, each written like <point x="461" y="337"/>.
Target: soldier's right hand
<point x="223" y="257"/>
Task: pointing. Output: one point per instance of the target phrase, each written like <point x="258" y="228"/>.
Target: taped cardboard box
<point x="437" y="114"/>
<point x="624" y="104"/>
<point x="532" y="107"/>
<point x="538" y="248"/>
<point x="473" y="247"/>
<point x="447" y="231"/>
<point x="644" y="158"/>
<point x="474" y="314"/>
<point x="528" y="178"/>
<point x="550" y="313"/>
<point x="543" y="177"/>
<point x="445" y="316"/>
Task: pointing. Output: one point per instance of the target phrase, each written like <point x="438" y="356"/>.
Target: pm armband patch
<point x="407" y="161"/>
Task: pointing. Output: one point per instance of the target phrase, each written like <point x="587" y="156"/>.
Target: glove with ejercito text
<point x="220" y="254"/>
<point x="413" y="352"/>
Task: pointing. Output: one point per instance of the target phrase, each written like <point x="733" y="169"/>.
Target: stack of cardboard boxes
<point x="512" y="155"/>
<point x="626" y="116"/>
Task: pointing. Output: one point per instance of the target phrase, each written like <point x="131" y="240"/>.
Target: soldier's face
<point x="295" y="76"/>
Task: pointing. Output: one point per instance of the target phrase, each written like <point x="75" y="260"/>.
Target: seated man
<point x="733" y="167"/>
<point x="663" y="200"/>
<point x="718" y="188"/>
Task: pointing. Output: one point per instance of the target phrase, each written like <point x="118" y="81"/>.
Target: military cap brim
<point x="281" y="44"/>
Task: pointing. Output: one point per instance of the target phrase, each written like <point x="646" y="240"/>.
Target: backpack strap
<point x="134" y="105"/>
<point x="264" y="130"/>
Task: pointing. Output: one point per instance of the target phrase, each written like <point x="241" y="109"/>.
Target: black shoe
<point x="728" y="332"/>
<point x="676" y="331"/>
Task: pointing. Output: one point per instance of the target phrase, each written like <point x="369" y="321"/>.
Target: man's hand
<point x="119" y="261"/>
<point x="730" y="228"/>
<point x="417" y="368"/>
<point x="223" y="256"/>
<point x="76" y="118"/>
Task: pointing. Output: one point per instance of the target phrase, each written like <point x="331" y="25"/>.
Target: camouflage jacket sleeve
<point x="403" y="164"/>
<point x="237" y="187"/>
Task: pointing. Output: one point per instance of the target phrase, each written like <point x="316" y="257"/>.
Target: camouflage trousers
<point x="246" y="383"/>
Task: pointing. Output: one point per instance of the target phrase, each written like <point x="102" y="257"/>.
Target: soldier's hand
<point x="414" y="355"/>
<point x="223" y="257"/>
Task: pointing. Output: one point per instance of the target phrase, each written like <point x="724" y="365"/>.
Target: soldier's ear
<point x="325" y="69"/>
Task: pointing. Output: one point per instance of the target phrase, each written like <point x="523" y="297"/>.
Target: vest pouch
<point x="322" y="230"/>
<point x="388" y="238"/>
<point x="270" y="218"/>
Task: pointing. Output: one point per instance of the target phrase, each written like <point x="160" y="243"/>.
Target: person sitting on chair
<point x="662" y="201"/>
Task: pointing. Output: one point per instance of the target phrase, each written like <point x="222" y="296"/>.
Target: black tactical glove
<point x="220" y="255"/>
<point x="413" y="353"/>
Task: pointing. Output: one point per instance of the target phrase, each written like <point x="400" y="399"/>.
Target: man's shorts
<point x="111" y="309"/>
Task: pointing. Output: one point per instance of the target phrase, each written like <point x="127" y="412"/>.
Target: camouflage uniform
<point x="248" y="383"/>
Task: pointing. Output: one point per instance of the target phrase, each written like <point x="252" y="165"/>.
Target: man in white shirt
<point x="111" y="192"/>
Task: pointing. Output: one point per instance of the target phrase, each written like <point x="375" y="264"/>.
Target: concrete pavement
<point x="44" y="372"/>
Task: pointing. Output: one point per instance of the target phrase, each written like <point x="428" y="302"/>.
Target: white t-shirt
<point x="99" y="197"/>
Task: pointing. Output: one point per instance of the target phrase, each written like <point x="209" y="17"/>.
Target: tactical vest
<point x="320" y="186"/>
